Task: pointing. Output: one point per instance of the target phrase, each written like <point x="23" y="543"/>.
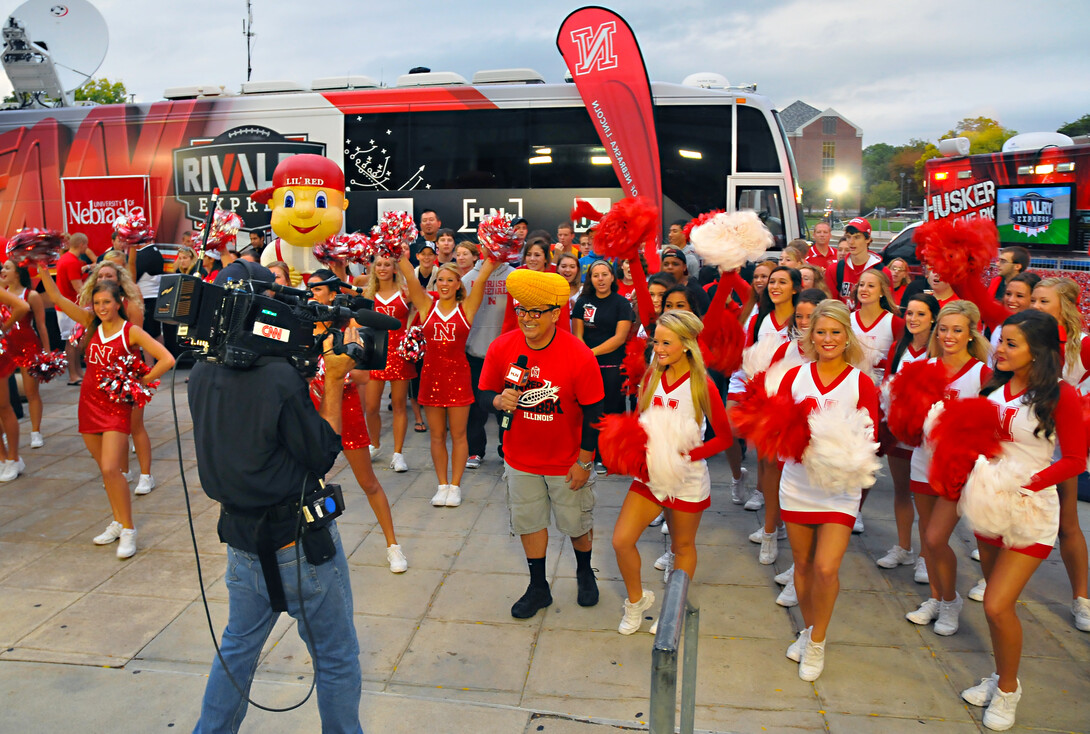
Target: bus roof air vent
<point x="706" y="80"/>
<point x="194" y="91"/>
<point x="329" y="83"/>
<point x="508" y="76"/>
<point x="272" y="87"/>
<point x="431" y="79"/>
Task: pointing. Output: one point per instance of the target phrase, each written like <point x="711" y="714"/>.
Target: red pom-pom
<point x="957" y="249"/>
<point x="121" y="381"/>
<point x="634" y="364"/>
<point x="341" y="249"/>
<point x="224" y="229"/>
<point x="967" y="428"/>
<point x="699" y="220"/>
<point x="38" y="246"/>
<point x="914" y="389"/>
<point x="625" y="227"/>
<point x="500" y="240"/>
<point x="134" y="229"/>
<point x="413" y="344"/>
<point x="44" y="366"/>
<point x="583" y="210"/>
<point x="722" y="346"/>
<point x="393" y="235"/>
<point x="775" y="424"/>
<point x="622" y="441"/>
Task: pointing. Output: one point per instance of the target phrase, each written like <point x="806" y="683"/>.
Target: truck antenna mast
<point x="248" y="32"/>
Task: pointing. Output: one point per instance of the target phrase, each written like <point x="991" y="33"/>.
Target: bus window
<point x="765" y="200"/>
<point x="472" y="149"/>
<point x="565" y="151"/>
<point x="694" y="152"/>
<point x="756" y="149"/>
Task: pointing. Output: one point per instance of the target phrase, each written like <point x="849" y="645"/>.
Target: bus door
<point x="764" y="195"/>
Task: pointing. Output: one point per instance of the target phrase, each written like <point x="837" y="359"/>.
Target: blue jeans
<point x="327" y="598"/>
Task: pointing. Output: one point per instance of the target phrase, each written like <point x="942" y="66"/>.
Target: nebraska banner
<point x="92" y="204"/>
<point x="606" y="64"/>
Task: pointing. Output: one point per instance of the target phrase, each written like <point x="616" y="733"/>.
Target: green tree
<point x="1080" y="126"/>
<point x="103" y="91"/>
<point x="813" y="195"/>
<point x="985" y="134"/>
<point x="882" y="194"/>
<point x="876" y="160"/>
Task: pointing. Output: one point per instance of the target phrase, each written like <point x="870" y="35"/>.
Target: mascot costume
<point x="307" y="202"/>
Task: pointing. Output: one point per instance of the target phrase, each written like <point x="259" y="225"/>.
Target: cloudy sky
<point x="897" y="69"/>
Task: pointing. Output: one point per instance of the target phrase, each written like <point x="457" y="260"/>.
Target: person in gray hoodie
<point x="487" y="325"/>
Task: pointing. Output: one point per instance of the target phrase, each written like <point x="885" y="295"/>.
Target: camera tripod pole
<point x="208" y="220"/>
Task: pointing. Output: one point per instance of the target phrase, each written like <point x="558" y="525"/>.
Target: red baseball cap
<point x="304" y="169"/>
<point x="859" y="224"/>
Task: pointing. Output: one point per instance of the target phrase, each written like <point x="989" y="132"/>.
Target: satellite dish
<point x="53" y="47"/>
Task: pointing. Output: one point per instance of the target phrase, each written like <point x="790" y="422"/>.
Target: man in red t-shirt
<point x="842" y="277"/>
<point x="821" y="253"/>
<point x="69" y="282"/>
<point x="549" y="447"/>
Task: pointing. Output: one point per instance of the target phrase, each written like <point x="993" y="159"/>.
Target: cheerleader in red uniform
<point x="23" y="342"/>
<point x="878" y="327"/>
<point x="819" y="522"/>
<point x="775" y="320"/>
<point x="1038" y="414"/>
<point x="1059" y="298"/>
<point x="677" y="379"/>
<point x="386" y="286"/>
<point x="963" y="351"/>
<point x="921" y="312"/>
<point x="446" y="387"/>
<point x="14" y="309"/>
<point x="104" y="424"/>
<point x="354" y="437"/>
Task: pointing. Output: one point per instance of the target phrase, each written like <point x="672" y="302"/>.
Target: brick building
<point x="826" y="144"/>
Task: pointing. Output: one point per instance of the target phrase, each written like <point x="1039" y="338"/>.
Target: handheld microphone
<point x="517" y="376"/>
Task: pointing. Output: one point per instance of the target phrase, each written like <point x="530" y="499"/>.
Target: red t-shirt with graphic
<point x="548" y="425"/>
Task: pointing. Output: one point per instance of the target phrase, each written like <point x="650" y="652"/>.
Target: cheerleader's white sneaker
<point x="981" y="694"/>
<point x="439" y="499"/>
<point x="126" y="545"/>
<point x="999" y="715"/>
<point x="36" y="441"/>
<point x="145" y="485"/>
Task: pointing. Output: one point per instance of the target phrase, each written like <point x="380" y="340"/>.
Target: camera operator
<point x="257" y="475"/>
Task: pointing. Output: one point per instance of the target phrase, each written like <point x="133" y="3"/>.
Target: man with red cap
<point x="842" y="278"/>
<point x="307" y="201"/>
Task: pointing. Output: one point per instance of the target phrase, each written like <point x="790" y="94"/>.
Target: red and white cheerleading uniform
<point x="769" y="330"/>
<point x="97" y="413"/>
<point x="878" y="338"/>
<point x="965" y="384"/>
<point x="353" y="426"/>
<point x="903" y="450"/>
<point x="397" y="367"/>
<point x="800" y="501"/>
<point x="445" y="380"/>
<point x="1018" y="422"/>
<point x="22" y="343"/>
<point x="694" y="497"/>
<point x="1077" y="374"/>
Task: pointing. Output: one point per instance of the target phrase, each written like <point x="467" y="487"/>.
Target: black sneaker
<point x="534" y="600"/>
<point x="588" y="588"/>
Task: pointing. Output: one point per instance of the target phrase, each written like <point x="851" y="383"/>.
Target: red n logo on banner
<point x="595" y="48"/>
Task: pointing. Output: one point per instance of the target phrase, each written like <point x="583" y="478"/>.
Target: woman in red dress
<point x="354" y="437"/>
<point x="23" y="344"/>
<point x="386" y="286"/>
<point x="446" y="388"/>
<point x="104" y="424"/>
<point x="15" y="309"/>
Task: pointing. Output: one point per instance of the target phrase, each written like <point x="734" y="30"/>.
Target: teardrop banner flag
<point x="606" y="64"/>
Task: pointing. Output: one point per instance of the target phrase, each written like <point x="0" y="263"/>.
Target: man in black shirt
<point x="256" y="475"/>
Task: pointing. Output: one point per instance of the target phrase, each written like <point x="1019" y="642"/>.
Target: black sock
<point x="537" y="572"/>
<point x="582" y="560"/>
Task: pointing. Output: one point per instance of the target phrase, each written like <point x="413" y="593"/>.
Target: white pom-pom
<point x="841" y="456"/>
<point x="932" y="417"/>
<point x="728" y="240"/>
<point x="758" y="357"/>
<point x="995" y="505"/>
<point x="774" y="374"/>
<point x="670" y="435"/>
<point x="884" y="396"/>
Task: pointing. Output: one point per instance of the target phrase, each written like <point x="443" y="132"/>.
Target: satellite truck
<point x="504" y="142"/>
<point x="1037" y="190"/>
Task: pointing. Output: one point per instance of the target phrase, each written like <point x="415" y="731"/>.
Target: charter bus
<point x="433" y="141"/>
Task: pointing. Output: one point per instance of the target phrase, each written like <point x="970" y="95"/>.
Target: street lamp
<point x="902" y="189"/>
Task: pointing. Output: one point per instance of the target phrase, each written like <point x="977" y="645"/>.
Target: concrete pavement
<point x="122" y="646"/>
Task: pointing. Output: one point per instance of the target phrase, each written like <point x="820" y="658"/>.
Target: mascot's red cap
<point x="304" y="169"/>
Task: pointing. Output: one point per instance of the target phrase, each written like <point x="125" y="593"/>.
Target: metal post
<point x="676" y="612"/>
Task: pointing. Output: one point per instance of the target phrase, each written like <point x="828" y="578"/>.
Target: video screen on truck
<point x="1036" y="216"/>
